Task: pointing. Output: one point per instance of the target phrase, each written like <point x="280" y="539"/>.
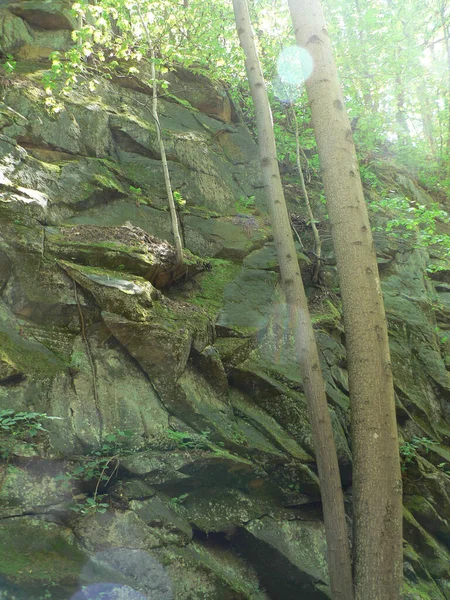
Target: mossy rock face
<point x="208" y="294"/>
<point x="270" y="374"/>
<point x="434" y="555"/>
<point x="172" y="526"/>
<point x="61" y="131"/>
<point x="125" y="249"/>
<point x="140" y="135"/>
<point x="289" y="556"/>
<point x="162" y="342"/>
<point x="51" y="15"/>
<point x="128" y="559"/>
<point x="212" y="572"/>
<point x="266" y="258"/>
<point x="125" y="400"/>
<point x="43" y="556"/>
<point x="220" y="509"/>
<point x="14" y="32"/>
<point x="427" y="515"/>
<point x="205" y="95"/>
<point x="154" y="221"/>
<point x="250" y="299"/>
<point x="125" y="573"/>
<point x="229" y="238"/>
<point x="31" y="488"/>
<point x="233" y="350"/>
<point x="8" y="369"/>
<point x="426" y="489"/>
<point x="252" y="414"/>
<point x="84" y="183"/>
<point x="23" y="354"/>
<point x="202" y="372"/>
<point x="423" y="590"/>
<point x="103" y="531"/>
<point x="418" y="365"/>
<point x="209" y="363"/>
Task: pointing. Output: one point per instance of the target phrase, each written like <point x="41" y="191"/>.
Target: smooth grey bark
<point x="377" y="484"/>
<point x="338" y="554"/>
<point x="162" y="148"/>
<point x="312" y="221"/>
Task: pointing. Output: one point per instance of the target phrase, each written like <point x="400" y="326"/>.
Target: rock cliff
<point x="178" y="460"/>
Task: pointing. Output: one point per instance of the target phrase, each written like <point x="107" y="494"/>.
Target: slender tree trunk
<point x="162" y="149"/>
<point x="400" y="116"/>
<point x="317" y="240"/>
<point x="377" y="488"/>
<point x="427" y="119"/>
<point x="366" y="86"/>
<point x="305" y="343"/>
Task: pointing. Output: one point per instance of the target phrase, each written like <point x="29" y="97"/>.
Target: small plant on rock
<point x="409" y="450"/>
<point x="22" y="425"/>
<point x="190" y="441"/>
<point x="99" y="466"/>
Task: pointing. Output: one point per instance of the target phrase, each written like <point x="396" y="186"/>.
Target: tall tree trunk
<point x="400" y="116"/>
<point x="366" y="86"/>
<point x="312" y="221"/>
<point x="305" y="343"/>
<point x="377" y="488"/>
<point x="426" y="116"/>
<point x="162" y="148"/>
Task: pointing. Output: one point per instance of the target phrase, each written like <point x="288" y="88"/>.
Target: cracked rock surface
<point x="178" y="463"/>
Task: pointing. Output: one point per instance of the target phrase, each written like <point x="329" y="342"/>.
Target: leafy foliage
<point x="9" y="64"/>
<point x="190" y="441"/>
<point x="23" y="425"/>
<point x="98" y="467"/>
<point x="407" y="219"/>
<point x="409" y="450"/>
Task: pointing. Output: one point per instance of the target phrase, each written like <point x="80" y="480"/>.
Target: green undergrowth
<point x="18" y="427"/>
<point x="99" y="468"/>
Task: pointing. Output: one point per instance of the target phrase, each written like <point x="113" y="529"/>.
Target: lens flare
<point x="124" y="574"/>
<point x="108" y="591"/>
<point x="294" y="66"/>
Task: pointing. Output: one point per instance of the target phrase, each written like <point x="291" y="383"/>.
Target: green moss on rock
<point x="43" y="554"/>
<point x="213" y="283"/>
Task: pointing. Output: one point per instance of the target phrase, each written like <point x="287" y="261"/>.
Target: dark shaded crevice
<point x="24" y="514"/>
<point x="29" y="145"/>
<point x="13" y="380"/>
<point x="183" y="234"/>
<point x="281" y="578"/>
<point x="218" y="539"/>
<point x="127" y="144"/>
<point x="99" y="197"/>
<point x="338" y="385"/>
